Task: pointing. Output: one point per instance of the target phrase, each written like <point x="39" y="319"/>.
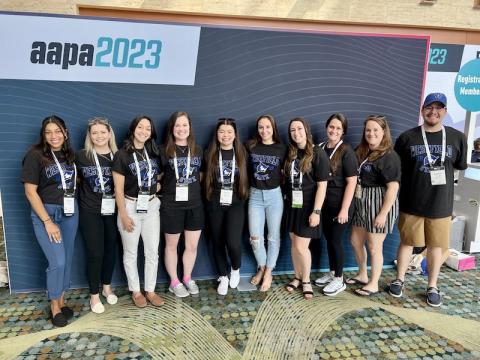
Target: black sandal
<point x="307" y="294"/>
<point x="291" y="287"/>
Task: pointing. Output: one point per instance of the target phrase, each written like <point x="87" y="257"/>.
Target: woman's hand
<point x="127" y="223"/>
<point x="314" y="219"/>
<point x="342" y="217"/>
<point x="53" y="232"/>
<point x="380" y="220"/>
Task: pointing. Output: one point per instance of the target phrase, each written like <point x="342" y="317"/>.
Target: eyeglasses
<point x="430" y="108"/>
<point x="98" y="120"/>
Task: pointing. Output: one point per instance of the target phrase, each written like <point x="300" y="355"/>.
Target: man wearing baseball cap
<point x="429" y="155"/>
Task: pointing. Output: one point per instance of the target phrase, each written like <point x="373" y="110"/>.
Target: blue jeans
<point x="265" y="204"/>
<point x="59" y="255"/>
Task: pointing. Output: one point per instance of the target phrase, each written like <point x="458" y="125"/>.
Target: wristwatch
<point x="317" y="211"/>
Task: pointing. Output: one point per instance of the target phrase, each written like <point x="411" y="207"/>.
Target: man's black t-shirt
<point x="381" y="171"/>
<point x="90" y="192"/>
<point x="47" y="177"/>
<point x="169" y="180"/>
<point x="265" y="163"/>
<point x="417" y="194"/>
<point x="319" y="172"/>
<point x="347" y="167"/>
<point x="124" y="164"/>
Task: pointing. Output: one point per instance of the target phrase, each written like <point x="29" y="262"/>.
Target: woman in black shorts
<point x="306" y="170"/>
<point x="182" y="209"/>
<point x="226" y="189"/>
<point x="376" y="203"/>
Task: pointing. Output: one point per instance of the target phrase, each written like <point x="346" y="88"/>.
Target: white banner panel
<point x="70" y="49"/>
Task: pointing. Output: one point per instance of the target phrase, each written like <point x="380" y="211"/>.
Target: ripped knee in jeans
<point x="254" y="242"/>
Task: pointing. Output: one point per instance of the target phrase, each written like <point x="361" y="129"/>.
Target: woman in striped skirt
<point x="376" y="203"/>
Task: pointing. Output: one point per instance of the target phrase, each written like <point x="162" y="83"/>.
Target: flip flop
<point x="353" y="281"/>
<point x="365" y="292"/>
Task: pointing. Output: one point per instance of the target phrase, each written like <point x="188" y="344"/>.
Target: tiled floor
<point x="254" y="325"/>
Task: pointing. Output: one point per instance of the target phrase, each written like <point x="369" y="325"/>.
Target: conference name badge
<point x="108" y="205"/>
<point x="181" y="192"/>
<point x="68" y="204"/>
<point x="437" y="175"/>
<point x="142" y="201"/>
<point x="358" y="191"/>
<point x="226" y="196"/>
<point x="297" y="199"/>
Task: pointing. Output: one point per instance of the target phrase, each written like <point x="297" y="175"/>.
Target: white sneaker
<point x="234" y="278"/>
<point x="192" y="287"/>
<point x="325" y="279"/>
<point x="179" y="290"/>
<point x="335" y="286"/>
<point x="223" y="286"/>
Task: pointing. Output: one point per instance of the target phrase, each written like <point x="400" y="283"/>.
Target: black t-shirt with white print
<point x="319" y="172"/>
<point x="417" y="194"/>
<point x="90" y="191"/>
<point x="381" y="171"/>
<point x="346" y="167"/>
<point x="169" y="181"/>
<point x="265" y="163"/>
<point x="47" y="177"/>
<point x="124" y="164"/>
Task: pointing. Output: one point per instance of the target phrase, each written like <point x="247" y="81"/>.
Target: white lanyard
<point x="99" y="169"/>
<point x="220" y="164"/>
<point x="62" y="175"/>
<point x="139" y="178"/>
<point x="300" y="179"/>
<point x="323" y="145"/>
<point x="359" y="169"/>
<point x="175" y="165"/>
<point x="427" y="150"/>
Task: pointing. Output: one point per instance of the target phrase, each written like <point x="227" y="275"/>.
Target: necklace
<point x="183" y="149"/>
<point x="105" y="156"/>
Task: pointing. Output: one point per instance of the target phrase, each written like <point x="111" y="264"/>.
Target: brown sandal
<point x="266" y="283"/>
<point x="257" y="278"/>
<point x="291" y="287"/>
<point x="307" y="294"/>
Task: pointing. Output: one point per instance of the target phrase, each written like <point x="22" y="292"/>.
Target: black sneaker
<point x="434" y="298"/>
<point x="58" y="320"/>
<point x="395" y="288"/>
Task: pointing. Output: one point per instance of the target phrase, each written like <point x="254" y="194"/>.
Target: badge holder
<point x="358" y="191"/>
<point x="297" y="198"/>
<point x="181" y="192"/>
<point x="226" y="195"/>
<point x="142" y="201"/>
<point x="437" y="175"/>
<point x="68" y="204"/>
<point x="108" y="205"/>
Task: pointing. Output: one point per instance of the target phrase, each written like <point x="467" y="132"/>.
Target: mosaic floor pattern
<point x="254" y="325"/>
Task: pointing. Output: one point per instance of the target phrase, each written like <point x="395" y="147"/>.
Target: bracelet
<point x="46" y="220"/>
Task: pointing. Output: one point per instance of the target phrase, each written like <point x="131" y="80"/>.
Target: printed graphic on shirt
<point x="264" y="165"/>
<point x="51" y="171"/>
<point x="227" y="172"/>
<point x="418" y="152"/>
<point x="144" y="173"/>
<point x="367" y="167"/>
<point x="90" y="175"/>
<point x="195" y="163"/>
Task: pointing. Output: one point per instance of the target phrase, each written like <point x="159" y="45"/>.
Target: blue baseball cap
<point x="435" y="97"/>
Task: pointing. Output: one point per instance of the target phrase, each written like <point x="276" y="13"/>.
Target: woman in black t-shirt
<point x="376" y="203"/>
<point x="226" y="188"/>
<point x="306" y="170"/>
<point x="97" y="209"/>
<point x="49" y="177"/>
<point x="182" y="207"/>
<point x="337" y="210"/>
<point x="135" y="171"/>
<point x="265" y="161"/>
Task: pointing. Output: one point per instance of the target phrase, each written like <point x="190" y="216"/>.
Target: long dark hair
<point x="386" y="145"/>
<point x="336" y="158"/>
<point x="150" y="145"/>
<point x="212" y="161"/>
<point x="44" y="149"/>
<point x="306" y="162"/>
<point x="170" y="139"/>
<point x="258" y="139"/>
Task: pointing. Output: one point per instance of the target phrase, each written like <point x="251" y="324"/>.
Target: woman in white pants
<point x="135" y="174"/>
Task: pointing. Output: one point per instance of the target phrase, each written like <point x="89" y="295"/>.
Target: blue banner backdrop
<point x="240" y="74"/>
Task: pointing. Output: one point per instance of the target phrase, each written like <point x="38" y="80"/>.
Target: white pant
<point x="148" y="225"/>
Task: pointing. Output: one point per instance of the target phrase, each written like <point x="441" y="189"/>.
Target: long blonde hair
<point x="88" y="141"/>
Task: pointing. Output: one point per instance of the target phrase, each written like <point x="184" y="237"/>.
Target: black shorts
<point x="297" y="222"/>
<point x="175" y="221"/>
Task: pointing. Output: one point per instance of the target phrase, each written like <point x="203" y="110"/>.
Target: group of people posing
<point x="320" y="188"/>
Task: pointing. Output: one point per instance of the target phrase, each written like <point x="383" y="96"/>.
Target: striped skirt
<point x="367" y="208"/>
